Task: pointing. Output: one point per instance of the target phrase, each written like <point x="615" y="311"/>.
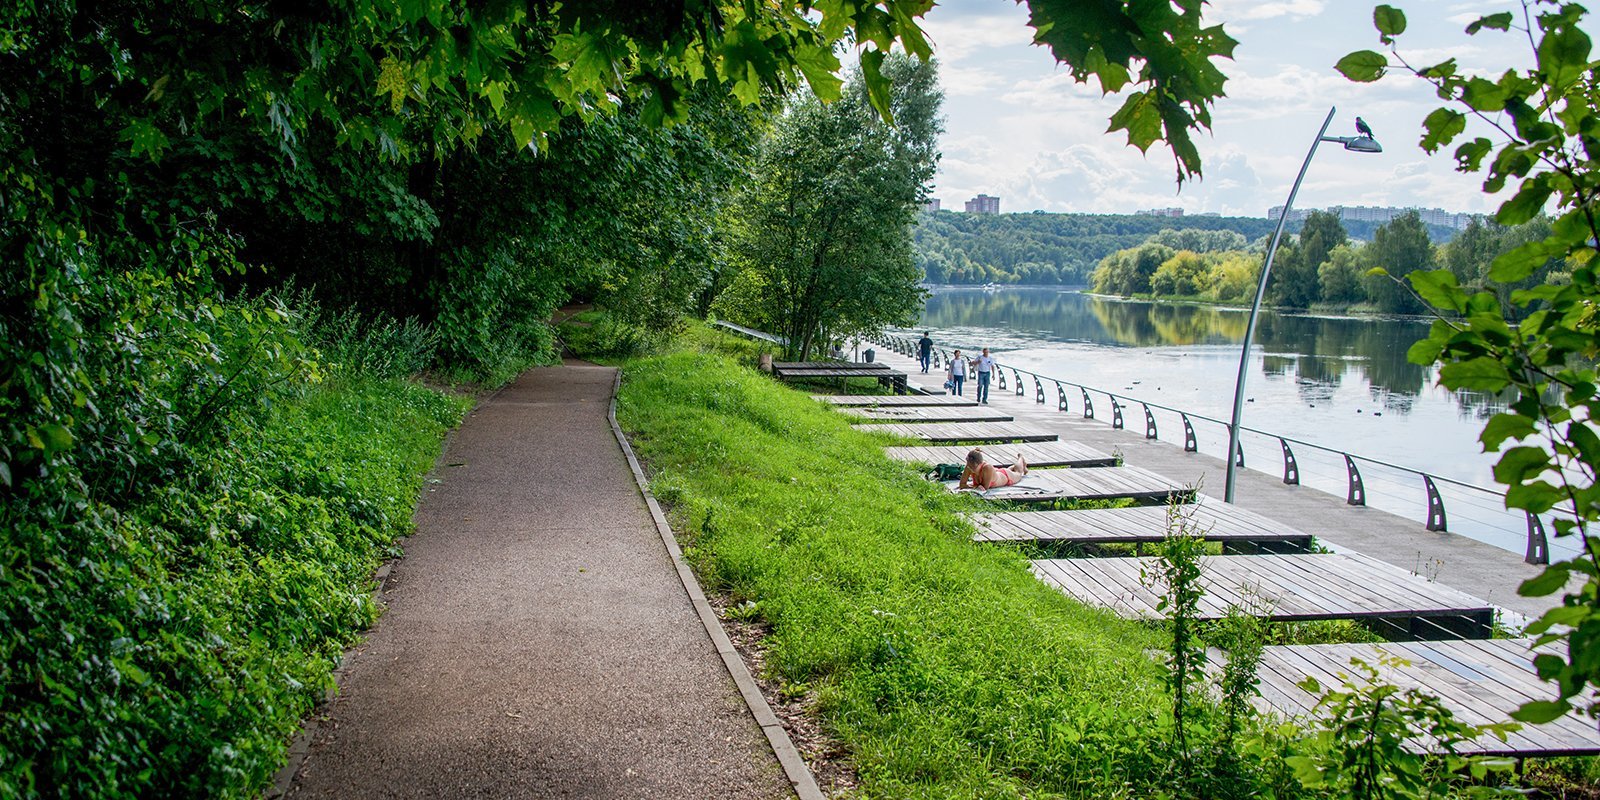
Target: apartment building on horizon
<point x="1380" y="214"/>
<point x="983" y="204"/>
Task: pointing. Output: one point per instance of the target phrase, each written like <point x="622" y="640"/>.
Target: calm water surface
<point x="1340" y="382"/>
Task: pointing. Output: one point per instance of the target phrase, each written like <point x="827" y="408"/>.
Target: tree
<point x="1400" y="246"/>
<point x="1294" y="278"/>
<point x="1339" y="278"/>
<point x="1128" y="272"/>
<point x="1540" y="343"/>
<point x="1186" y="274"/>
<point x="824" y="227"/>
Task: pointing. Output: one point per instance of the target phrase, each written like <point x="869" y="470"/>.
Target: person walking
<point x="925" y="351"/>
<point x="957" y="373"/>
<point x="984" y="366"/>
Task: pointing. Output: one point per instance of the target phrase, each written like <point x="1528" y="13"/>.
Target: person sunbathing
<point x="980" y="474"/>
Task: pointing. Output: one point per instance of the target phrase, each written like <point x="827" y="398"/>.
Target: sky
<point x="1018" y="127"/>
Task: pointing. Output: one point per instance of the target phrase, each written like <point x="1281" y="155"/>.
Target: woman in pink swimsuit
<point x="979" y="474"/>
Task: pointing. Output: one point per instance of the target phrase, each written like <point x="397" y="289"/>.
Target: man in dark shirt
<point x="924" y="351"/>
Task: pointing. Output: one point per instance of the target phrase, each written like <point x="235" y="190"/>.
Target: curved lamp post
<point x="1360" y="144"/>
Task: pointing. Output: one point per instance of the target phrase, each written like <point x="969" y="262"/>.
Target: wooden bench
<point x="929" y="414"/>
<point x="895" y="401"/>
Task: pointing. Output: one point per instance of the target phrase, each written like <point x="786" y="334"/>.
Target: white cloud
<point x="1233" y="10"/>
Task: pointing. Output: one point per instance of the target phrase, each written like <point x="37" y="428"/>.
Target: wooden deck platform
<point x="859" y="366"/>
<point x="1215" y="520"/>
<point x="976" y="432"/>
<point x="1481" y="681"/>
<point x="895" y="381"/>
<point x="1087" y="483"/>
<point x="1294" y="587"/>
<point x="894" y="401"/>
<point x="1038" y="454"/>
<point x="930" y="414"/>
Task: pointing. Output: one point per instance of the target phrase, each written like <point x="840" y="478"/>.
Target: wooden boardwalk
<point x="1087" y="483"/>
<point x="896" y="381"/>
<point x="929" y="414"/>
<point x="853" y="366"/>
<point x="894" y="401"/>
<point x="1282" y="588"/>
<point x="1038" y="454"/>
<point x="1213" y="519"/>
<point x="1481" y="681"/>
<point x="976" y="432"/>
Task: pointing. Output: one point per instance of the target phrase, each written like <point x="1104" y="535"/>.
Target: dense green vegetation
<point x="1049" y="249"/>
<point x="1321" y="267"/>
<point x="173" y="607"/>
<point x="820" y="245"/>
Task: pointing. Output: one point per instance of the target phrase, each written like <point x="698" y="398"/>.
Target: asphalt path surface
<point x="538" y="642"/>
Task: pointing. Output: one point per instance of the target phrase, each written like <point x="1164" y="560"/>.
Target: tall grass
<point x="946" y="668"/>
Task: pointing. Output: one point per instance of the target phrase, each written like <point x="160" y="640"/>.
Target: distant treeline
<point x="1043" y="249"/>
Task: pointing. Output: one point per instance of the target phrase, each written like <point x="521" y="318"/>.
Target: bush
<point x="187" y="533"/>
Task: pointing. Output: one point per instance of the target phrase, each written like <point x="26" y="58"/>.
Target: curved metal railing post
<point x="1116" y="413"/>
<point x="1436" y="520"/>
<point x="1088" y="405"/>
<point x="1538" y="544"/>
<point x="1357" y="495"/>
<point x="1018" y="377"/>
<point x="1038" y="391"/>
<point x="1190" y="444"/>
<point x="1001" y="371"/>
<point x="1149" y="423"/>
<point x="1061" y="397"/>
<point x="1291" y="468"/>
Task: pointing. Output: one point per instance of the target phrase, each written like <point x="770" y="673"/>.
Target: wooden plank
<point x="1471" y="677"/>
<point x="1298" y="587"/>
<point x="950" y="432"/>
<point x="833" y="372"/>
<point x="892" y="401"/>
<point x="1038" y="454"/>
<point x="1087" y="483"/>
<point x="929" y="414"/>
<point x="1213" y="519"/>
<point x="854" y="366"/>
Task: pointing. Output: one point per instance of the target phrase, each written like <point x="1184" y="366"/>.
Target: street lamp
<point x="1360" y="144"/>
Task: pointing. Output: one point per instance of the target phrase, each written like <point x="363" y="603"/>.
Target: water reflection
<point x="1316" y="351"/>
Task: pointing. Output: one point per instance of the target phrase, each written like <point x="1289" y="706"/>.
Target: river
<point x="1340" y="382"/>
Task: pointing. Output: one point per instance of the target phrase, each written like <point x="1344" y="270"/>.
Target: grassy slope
<point x="945" y="666"/>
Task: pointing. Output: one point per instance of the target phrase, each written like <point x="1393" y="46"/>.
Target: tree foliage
<point x="1540" y="343"/>
<point x="823" y="227"/>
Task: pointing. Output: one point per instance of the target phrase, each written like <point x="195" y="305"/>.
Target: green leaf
<point x="878" y="88"/>
<point x="1363" y="66"/>
<point x="1518" y="263"/>
<point x="1442" y="126"/>
<point x="1505" y="426"/>
<point x="1548" y="582"/>
<point x="1390" y="22"/>
<point x="1520" y="463"/>
<point x="1482" y="373"/>
<point x="1564" y="55"/>
<point x="1425" y="351"/>
<point x="1498" y="22"/>
<point x="1439" y="288"/>
<point x="1526" y="204"/>
<point x="55" y="438"/>
<point x="1540" y="711"/>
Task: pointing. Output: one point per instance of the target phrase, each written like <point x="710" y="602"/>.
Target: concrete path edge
<point x="794" y="767"/>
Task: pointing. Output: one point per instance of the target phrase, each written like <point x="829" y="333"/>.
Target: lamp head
<point x="1363" y="144"/>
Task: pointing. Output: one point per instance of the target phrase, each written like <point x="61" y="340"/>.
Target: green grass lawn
<point x="944" y="666"/>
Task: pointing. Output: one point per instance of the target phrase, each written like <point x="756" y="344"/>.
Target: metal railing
<point x="1440" y="503"/>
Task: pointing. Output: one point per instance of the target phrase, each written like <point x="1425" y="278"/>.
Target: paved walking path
<point x="538" y="642"/>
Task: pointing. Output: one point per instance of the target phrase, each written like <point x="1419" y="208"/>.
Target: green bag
<point x="946" y="472"/>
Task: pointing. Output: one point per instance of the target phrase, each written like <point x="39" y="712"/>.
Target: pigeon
<point x="1362" y="128"/>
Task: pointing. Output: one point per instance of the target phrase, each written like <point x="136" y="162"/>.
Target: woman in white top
<point x="957" y="372"/>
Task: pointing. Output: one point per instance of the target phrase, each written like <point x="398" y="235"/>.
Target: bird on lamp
<point x="1362" y="128"/>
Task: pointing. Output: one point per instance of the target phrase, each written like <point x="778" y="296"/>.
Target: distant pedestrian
<point x="957" y="372"/>
<point x="984" y="366"/>
<point x="925" y="351"/>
